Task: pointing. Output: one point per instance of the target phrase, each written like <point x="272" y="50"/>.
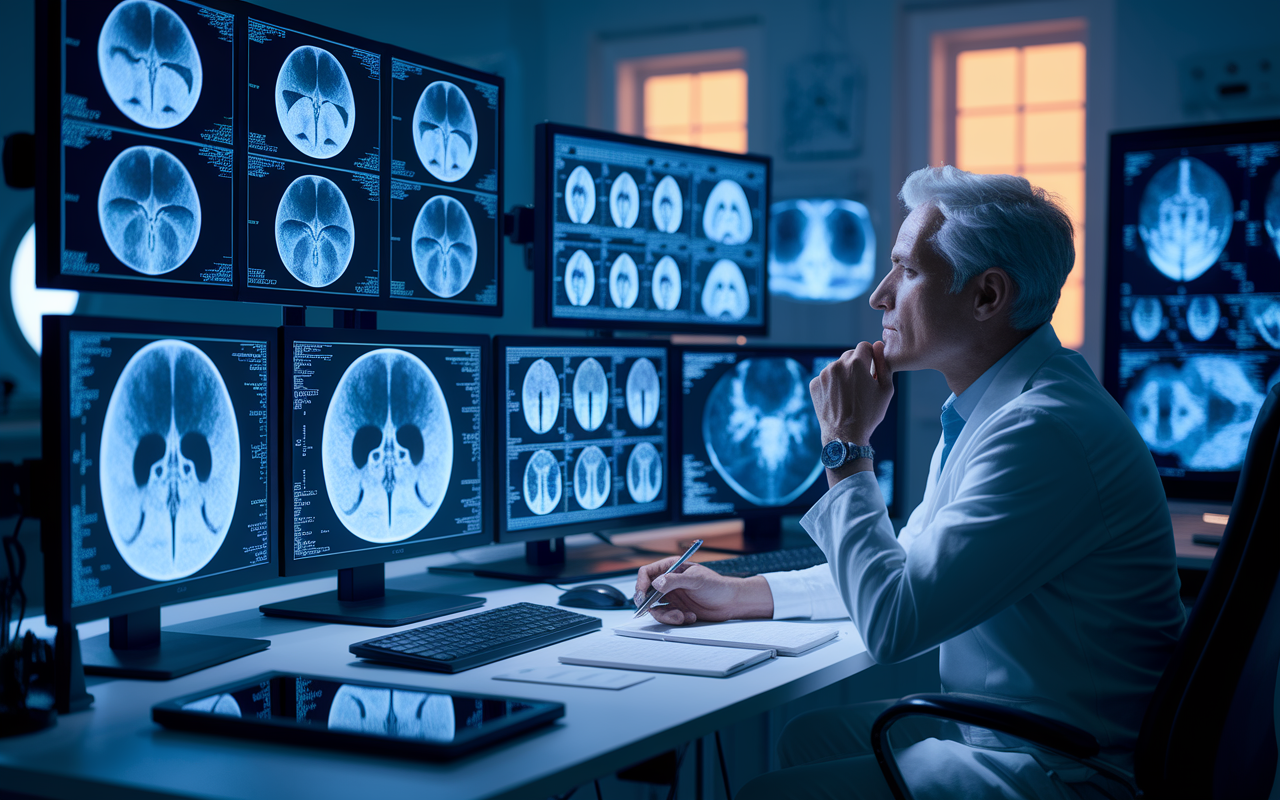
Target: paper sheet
<point x="576" y="676"/>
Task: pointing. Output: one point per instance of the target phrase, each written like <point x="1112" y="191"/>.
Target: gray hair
<point x="998" y="221"/>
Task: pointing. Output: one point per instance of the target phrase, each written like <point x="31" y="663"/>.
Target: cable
<point x="724" y="771"/>
<point x="16" y="558"/>
<point x="598" y="795"/>
<point x="675" y="780"/>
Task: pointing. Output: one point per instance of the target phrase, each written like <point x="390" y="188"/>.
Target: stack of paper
<point x="788" y="638"/>
<point x="621" y="652"/>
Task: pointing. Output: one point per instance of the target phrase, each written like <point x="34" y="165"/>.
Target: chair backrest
<point x="1210" y="728"/>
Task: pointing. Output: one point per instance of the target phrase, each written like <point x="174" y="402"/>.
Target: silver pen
<point x="654" y="595"/>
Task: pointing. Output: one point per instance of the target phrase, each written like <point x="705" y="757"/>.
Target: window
<point x="697" y="99"/>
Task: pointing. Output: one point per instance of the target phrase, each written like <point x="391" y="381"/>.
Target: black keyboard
<point x="471" y="641"/>
<point x="773" y="561"/>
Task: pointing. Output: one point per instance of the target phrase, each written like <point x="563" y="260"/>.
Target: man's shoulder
<point x="1064" y="394"/>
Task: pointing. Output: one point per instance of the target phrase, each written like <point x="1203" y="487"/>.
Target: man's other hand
<point x="695" y="593"/>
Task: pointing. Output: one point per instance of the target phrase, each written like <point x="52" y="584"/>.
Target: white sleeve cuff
<point x="805" y="594"/>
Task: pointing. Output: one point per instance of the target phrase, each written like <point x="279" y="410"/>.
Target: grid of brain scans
<point x="147" y="121"/>
<point x="655" y="235"/>
<point x="585" y="433"/>
<point x="446" y="221"/>
<point x="821" y="250"/>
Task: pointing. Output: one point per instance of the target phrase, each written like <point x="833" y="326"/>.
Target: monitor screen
<point x="1193" y="304"/>
<point x="583" y="443"/>
<point x="631" y="233"/>
<point x="393" y="463"/>
<point x="165" y="433"/>
<point x="749" y="437"/>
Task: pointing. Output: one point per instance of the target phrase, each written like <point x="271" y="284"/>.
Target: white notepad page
<point x="788" y="638"/>
<point x="621" y="652"/>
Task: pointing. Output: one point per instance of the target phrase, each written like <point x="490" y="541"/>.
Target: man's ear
<point x="993" y="294"/>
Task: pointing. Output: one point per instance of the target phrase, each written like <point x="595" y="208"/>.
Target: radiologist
<point x="1041" y="560"/>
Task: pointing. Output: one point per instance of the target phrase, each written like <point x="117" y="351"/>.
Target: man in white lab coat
<point x="1041" y="560"/>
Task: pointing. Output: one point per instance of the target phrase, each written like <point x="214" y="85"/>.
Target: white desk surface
<point x="114" y="749"/>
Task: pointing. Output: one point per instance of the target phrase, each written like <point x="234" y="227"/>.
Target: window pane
<point x="984" y="141"/>
<point x="1054" y="73"/>
<point x="723" y="97"/>
<point x="986" y="78"/>
<point x="1068" y="185"/>
<point x="668" y="100"/>
<point x="733" y="141"/>
<point x="1068" y="318"/>
<point x="676" y="135"/>
<point x="1054" y="137"/>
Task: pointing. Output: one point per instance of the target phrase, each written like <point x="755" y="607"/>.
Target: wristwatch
<point x="835" y="453"/>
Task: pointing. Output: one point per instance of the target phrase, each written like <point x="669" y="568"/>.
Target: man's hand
<point x="697" y="593"/>
<point x="852" y="394"/>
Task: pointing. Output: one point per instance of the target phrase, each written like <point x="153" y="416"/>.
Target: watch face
<point x="833" y="453"/>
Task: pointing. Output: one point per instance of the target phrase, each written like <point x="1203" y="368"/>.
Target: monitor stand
<point x="552" y="562"/>
<point x="362" y="598"/>
<point x="137" y="648"/>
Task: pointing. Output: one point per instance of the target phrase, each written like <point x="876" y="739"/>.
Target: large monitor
<point x="387" y="442"/>
<point x="1193" y="295"/>
<point x="165" y="439"/>
<point x="632" y="233"/>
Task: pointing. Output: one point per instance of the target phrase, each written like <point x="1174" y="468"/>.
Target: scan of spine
<point x="580" y="195"/>
<point x="821" y="250"/>
<point x="540" y="396"/>
<point x="149" y="63"/>
<point x="315" y="103"/>
<point x="392" y="712"/>
<point x="1185" y="218"/>
<point x="579" y="278"/>
<point x="1147" y="318"/>
<point x="1264" y="313"/>
<point x="170" y="461"/>
<point x="668" y="205"/>
<point x="444" y="246"/>
<point x="315" y="232"/>
<point x="624" y="201"/>
<point x="445" y="132"/>
<point x="624" y="282"/>
<point x="644" y="473"/>
<point x="387" y="446"/>
<point x="590" y="394"/>
<point x="542" y="483"/>
<point x="724" y="294"/>
<point x="591" y="478"/>
<point x="760" y="430"/>
<point x="1203" y="315"/>
<point x="643" y="392"/>
<point x="1271" y="213"/>
<point x="666" y="284"/>
<point x="727" y="216"/>
<point x="221" y="704"/>
<point x="149" y="210"/>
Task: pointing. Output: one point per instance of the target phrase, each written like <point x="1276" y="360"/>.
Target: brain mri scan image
<point x="444" y="246"/>
<point x="1203" y="315"/>
<point x="760" y="430"/>
<point x="624" y="282"/>
<point x="724" y="295"/>
<point x="580" y="195"/>
<point x="668" y="205"/>
<point x="1264" y="313"/>
<point x="1185" y="218"/>
<point x="221" y="704"/>
<point x="644" y="473"/>
<point x="1271" y="213"/>
<point x="387" y="446"/>
<point x="315" y="103"/>
<point x="170" y="461"/>
<point x="624" y="201"/>
<point x="542" y="484"/>
<point x="395" y="712"/>
<point x="666" y="284"/>
<point x="445" y="132"/>
<point x="590" y="394"/>
<point x="315" y="233"/>
<point x="821" y="250"/>
<point x="149" y="63"/>
<point x="727" y="216"/>
<point x="149" y="210"/>
<point x="540" y="396"/>
<point x="1147" y="318"/>
<point x="591" y="478"/>
<point x="579" y="278"/>
<point x="643" y="392"/>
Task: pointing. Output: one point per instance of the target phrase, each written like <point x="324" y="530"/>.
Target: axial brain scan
<point x="1271" y="213"/>
<point x="542" y="483"/>
<point x="170" y="461"/>
<point x="149" y="210"/>
<point x="540" y="396"/>
<point x="724" y="294"/>
<point x="760" y="430"/>
<point x="315" y="103"/>
<point x="395" y="712"/>
<point x="444" y="246"/>
<point x="1264" y="313"/>
<point x="445" y="132"/>
<point x="387" y="446"/>
<point x="624" y="282"/>
<point x="727" y="216"/>
<point x="580" y="195"/>
<point x="149" y="63"/>
<point x="821" y="250"/>
<point x="1185" y="218"/>
<point x="668" y="205"/>
<point x="1203" y="315"/>
<point x="644" y="473"/>
<point x="624" y="201"/>
<point x="666" y="284"/>
<point x="1147" y="317"/>
<point x="643" y="392"/>
<point x="579" y="279"/>
<point x="315" y="233"/>
<point x="221" y="704"/>
<point x="590" y="394"/>
<point x="591" y="478"/>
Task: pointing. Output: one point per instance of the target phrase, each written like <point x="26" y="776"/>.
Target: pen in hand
<point x="654" y="595"/>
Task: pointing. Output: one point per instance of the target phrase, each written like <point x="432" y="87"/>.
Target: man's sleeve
<point x="806" y="594"/>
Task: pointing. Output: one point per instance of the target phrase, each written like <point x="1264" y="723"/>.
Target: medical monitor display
<point x="821" y="250"/>
<point x="639" y="234"/>
<point x="1193" y="312"/>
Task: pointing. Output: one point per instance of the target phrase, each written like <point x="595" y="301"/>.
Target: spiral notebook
<point x="787" y="638"/>
<point x="647" y="655"/>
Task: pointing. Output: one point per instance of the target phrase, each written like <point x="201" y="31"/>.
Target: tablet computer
<point x="355" y="715"/>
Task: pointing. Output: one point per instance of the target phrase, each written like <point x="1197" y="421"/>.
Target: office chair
<point x="1209" y="731"/>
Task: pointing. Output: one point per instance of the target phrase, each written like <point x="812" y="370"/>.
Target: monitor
<point x="386" y="457"/>
<point x="1193" y="295"/>
<point x="164" y="436"/>
<point x="632" y="233"/>
<point x="136" y="125"/>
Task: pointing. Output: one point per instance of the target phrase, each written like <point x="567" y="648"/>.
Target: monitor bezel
<point x="541" y="252"/>
<point x="616" y="525"/>
<point x="289" y="335"/>
<point x="55" y="444"/>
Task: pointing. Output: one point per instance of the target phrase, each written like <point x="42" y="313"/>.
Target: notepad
<point x="787" y="638"/>
<point x="620" y="652"/>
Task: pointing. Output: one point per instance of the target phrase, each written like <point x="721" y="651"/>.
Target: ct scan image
<point x="1272" y="213"/>
<point x="444" y="246"/>
<point x="724" y="293"/>
<point x="400" y="713"/>
<point x="315" y="102"/>
<point x="668" y="205"/>
<point x="1264" y="314"/>
<point x="540" y="396"/>
<point x="579" y="279"/>
<point x="592" y="478"/>
<point x="666" y="284"/>
<point x="149" y="210"/>
<point x="624" y="200"/>
<point x="542" y="483"/>
<point x="643" y="393"/>
<point x="1203" y="316"/>
<point x="590" y="394"/>
<point x="445" y="131"/>
<point x="150" y="64"/>
<point x="1147" y="318"/>
<point x="644" y="473"/>
<point x="221" y="704"/>
<point x="580" y="195"/>
<point x="821" y="250"/>
<point x="1184" y="218"/>
<point x="624" y="282"/>
<point x="726" y="218"/>
<point x="315" y="232"/>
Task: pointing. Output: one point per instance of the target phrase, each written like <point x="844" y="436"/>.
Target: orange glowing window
<point x="706" y="109"/>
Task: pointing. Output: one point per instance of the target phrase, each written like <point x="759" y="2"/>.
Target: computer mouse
<point x="595" y="595"/>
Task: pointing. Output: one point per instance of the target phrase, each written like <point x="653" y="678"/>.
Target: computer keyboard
<point x="459" y="644"/>
<point x="773" y="561"/>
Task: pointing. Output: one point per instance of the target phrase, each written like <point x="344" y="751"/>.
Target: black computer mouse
<point x="595" y="595"/>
